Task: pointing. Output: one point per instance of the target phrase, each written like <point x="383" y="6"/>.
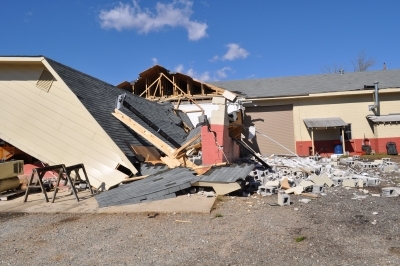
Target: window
<point x="347" y="132"/>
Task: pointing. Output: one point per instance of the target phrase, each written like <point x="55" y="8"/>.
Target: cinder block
<point x="229" y="95"/>
<point x="388" y="168"/>
<point x="219" y="100"/>
<point x="318" y="189"/>
<point x="373" y="181"/>
<point x="349" y="183"/>
<point x="337" y="181"/>
<point x="389" y="192"/>
<point x="219" y="121"/>
<point x="283" y="199"/>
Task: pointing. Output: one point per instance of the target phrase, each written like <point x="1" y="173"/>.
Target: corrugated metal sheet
<point x="275" y="122"/>
<point x="384" y="118"/>
<point x="324" y="122"/>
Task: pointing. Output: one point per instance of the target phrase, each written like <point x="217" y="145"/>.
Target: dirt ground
<point x="331" y="230"/>
<point x="345" y="227"/>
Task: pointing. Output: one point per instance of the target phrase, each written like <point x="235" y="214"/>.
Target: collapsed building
<point x="143" y="141"/>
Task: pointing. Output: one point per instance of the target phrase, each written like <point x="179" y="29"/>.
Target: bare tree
<point x="362" y="62"/>
<point x="332" y="68"/>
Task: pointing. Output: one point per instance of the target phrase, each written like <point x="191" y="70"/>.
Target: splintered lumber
<point x="170" y="159"/>
<point x="187" y="144"/>
<point x="171" y="162"/>
<point x="147" y="135"/>
<point x="210" y="165"/>
<point x="149" y="153"/>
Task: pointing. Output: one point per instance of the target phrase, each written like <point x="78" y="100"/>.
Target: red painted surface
<point x="29" y="167"/>
<point x="211" y="140"/>
<point x="326" y="147"/>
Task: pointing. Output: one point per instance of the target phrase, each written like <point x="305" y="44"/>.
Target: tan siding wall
<point x="275" y="122"/>
<point x="352" y="109"/>
<point x="55" y="127"/>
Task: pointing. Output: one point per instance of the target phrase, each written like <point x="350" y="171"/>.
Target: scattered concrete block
<point x="373" y="181"/>
<point x="229" y="95"/>
<point x="272" y="183"/>
<point x="219" y="100"/>
<point x="327" y="181"/>
<point x="296" y="190"/>
<point x="318" y="188"/>
<point x="283" y="199"/>
<point x="388" y="168"/>
<point x="305" y="183"/>
<point x="266" y="191"/>
<point x="337" y="181"/>
<point x="349" y="183"/>
<point x="317" y="180"/>
<point x="271" y="190"/>
<point x="304" y="200"/>
<point x="389" y="192"/>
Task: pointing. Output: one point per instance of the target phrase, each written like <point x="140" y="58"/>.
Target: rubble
<point x="310" y="176"/>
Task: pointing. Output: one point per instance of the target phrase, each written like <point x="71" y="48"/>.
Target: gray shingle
<point x="99" y="99"/>
<point x="153" y="187"/>
<point x="227" y="174"/>
<point x="304" y="85"/>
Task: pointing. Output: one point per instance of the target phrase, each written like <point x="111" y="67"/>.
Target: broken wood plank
<point x="311" y="195"/>
<point x="150" y="154"/>
<point x="183" y="147"/>
<point x="210" y="165"/>
<point x="153" y="139"/>
<point x="171" y="162"/>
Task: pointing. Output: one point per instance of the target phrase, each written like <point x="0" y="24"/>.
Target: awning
<point x="391" y="118"/>
<point x="326" y="122"/>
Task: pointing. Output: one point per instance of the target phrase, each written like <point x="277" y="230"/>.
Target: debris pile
<point x="310" y="176"/>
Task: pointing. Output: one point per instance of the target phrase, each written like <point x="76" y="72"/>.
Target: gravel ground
<point x="332" y="230"/>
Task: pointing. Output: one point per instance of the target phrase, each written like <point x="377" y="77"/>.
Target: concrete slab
<point x="66" y="203"/>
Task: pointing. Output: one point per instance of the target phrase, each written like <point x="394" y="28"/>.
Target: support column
<point x="217" y="146"/>
<point x="343" y="144"/>
<point x="312" y="141"/>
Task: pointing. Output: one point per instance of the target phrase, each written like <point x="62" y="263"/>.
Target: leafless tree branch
<point x="362" y="62"/>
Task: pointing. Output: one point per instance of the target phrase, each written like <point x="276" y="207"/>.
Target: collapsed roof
<point x="60" y="115"/>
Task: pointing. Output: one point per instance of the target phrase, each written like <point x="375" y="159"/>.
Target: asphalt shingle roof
<point x="149" y="169"/>
<point x="227" y="174"/>
<point x="304" y="85"/>
<point x="160" y="186"/>
<point x="99" y="99"/>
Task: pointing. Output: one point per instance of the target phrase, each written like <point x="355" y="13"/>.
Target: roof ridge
<point x="80" y="72"/>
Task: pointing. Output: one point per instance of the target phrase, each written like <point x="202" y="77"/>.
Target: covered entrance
<point x="328" y="126"/>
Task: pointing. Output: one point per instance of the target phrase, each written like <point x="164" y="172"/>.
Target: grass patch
<point x="220" y="198"/>
<point x="378" y="156"/>
<point x="300" y="238"/>
<point x="218" y="215"/>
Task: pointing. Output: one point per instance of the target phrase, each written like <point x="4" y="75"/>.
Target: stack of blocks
<point x="216" y="141"/>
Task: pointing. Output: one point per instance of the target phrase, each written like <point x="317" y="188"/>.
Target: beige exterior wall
<point x="352" y="107"/>
<point x="54" y="126"/>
